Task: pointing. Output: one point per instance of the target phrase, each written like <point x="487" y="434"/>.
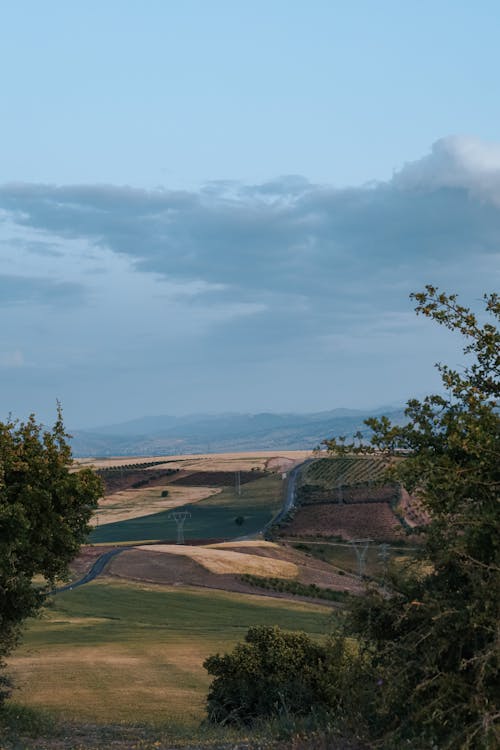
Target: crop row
<point x="354" y="493"/>
<point x="128" y="467"/>
<point x="332" y="472"/>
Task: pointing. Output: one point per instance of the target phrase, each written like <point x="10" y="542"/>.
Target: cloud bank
<point x="262" y="274"/>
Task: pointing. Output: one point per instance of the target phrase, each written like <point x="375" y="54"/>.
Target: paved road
<point x="94" y="571"/>
<point x="289" y="500"/>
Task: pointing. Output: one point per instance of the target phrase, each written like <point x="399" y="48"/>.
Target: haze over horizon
<point x="225" y="207"/>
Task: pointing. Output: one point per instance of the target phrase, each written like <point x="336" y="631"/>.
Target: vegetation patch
<point x="294" y="587"/>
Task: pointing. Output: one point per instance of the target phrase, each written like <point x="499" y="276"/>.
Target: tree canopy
<point x="434" y="640"/>
<point x="44" y="511"/>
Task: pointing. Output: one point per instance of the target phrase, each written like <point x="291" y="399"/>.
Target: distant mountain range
<point x="218" y="433"/>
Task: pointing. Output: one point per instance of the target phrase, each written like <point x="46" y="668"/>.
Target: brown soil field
<point x="367" y="521"/>
<point x="350" y="494"/>
<point x="126" y="504"/>
<point x="191" y="567"/>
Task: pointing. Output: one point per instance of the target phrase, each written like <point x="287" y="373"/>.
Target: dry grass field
<point x="228" y="561"/>
<point x="133" y="503"/>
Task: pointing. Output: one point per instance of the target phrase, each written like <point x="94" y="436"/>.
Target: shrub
<point x="272" y="673"/>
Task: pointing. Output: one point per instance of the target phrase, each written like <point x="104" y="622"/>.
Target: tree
<point x="433" y="643"/>
<point x="44" y="511"/>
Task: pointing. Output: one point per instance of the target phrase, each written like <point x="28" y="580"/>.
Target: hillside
<point x="162" y="435"/>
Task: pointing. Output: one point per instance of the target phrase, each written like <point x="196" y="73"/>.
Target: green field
<point x="118" y="652"/>
<point x="213" y="518"/>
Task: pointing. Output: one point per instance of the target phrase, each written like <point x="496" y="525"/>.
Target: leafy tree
<point x="433" y="643"/>
<point x="44" y="512"/>
<point x="272" y="673"/>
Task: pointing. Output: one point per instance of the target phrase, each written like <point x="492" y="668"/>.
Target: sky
<point x="224" y="206"/>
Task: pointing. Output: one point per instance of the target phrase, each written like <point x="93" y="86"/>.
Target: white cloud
<point x="458" y="161"/>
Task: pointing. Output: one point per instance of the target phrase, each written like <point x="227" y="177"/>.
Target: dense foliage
<point x="44" y="512"/>
<point x="273" y="672"/>
<point x="433" y="642"/>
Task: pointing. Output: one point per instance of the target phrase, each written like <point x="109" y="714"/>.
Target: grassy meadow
<point x="120" y="652"/>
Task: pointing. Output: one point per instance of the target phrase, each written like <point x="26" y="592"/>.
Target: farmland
<point x="329" y="473"/>
<point x="345" y="498"/>
<point x="211" y="518"/>
<point x="368" y="520"/>
<point x="222" y="566"/>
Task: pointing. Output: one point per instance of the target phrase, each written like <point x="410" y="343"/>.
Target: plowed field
<point x="361" y="520"/>
<point x="350" y="494"/>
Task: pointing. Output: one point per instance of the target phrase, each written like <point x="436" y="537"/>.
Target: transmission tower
<point x="360" y="547"/>
<point x="179" y="517"/>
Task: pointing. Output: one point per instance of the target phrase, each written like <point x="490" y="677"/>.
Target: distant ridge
<point x="217" y="433"/>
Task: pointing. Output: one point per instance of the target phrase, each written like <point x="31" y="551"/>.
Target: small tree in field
<point x="44" y="514"/>
<point x="434" y="642"/>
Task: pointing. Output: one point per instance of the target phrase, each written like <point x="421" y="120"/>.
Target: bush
<point x="239" y="520"/>
<point x="164" y="493"/>
<point x="272" y="673"/>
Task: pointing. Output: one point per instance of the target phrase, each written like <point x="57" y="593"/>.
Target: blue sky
<point x="223" y="206"/>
